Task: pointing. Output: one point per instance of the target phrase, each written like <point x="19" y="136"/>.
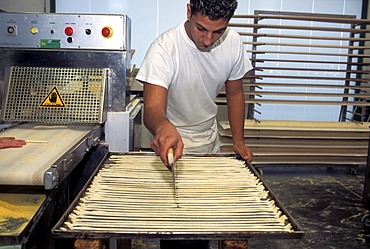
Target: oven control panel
<point x="65" y="31"/>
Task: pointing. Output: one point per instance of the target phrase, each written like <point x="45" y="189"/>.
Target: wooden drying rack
<point x="356" y="65"/>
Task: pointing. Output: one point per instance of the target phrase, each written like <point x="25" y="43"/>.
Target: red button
<point x="105" y="32"/>
<point x="68" y="31"/>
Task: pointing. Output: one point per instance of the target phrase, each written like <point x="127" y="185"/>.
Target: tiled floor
<point x="325" y="202"/>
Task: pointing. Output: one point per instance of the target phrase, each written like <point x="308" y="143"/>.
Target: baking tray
<point x="60" y="231"/>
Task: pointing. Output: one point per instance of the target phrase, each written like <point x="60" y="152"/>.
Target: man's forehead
<point x="211" y="25"/>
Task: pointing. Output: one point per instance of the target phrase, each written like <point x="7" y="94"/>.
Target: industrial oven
<point x="63" y="88"/>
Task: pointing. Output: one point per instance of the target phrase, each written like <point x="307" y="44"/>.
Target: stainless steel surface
<point x="135" y="127"/>
<point x="118" y="94"/>
<point x="108" y="220"/>
<point x="66" y="31"/>
<point x="55" y="95"/>
<point x="124" y="128"/>
<point x="79" y="54"/>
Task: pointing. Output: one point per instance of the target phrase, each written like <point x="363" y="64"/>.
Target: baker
<point x="182" y="74"/>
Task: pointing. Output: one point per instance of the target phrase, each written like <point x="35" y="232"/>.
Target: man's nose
<point x="208" y="39"/>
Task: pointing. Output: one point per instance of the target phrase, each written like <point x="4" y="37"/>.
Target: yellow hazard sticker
<point x="53" y="99"/>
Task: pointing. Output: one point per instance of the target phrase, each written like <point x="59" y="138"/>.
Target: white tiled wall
<point x="152" y="17"/>
<point x="149" y="17"/>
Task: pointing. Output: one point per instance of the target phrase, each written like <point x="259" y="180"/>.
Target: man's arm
<point x="155" y="119"/>
<point x="236" y="113"/>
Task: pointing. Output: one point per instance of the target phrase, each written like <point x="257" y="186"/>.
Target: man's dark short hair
<point x="214" y="9"/>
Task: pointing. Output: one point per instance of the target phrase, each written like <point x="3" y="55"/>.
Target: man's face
<point x="202" y="31"/>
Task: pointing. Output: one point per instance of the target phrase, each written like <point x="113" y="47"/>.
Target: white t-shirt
<point x="193" y="78"/>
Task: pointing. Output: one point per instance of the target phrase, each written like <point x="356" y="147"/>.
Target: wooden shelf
<point x="280" y="142"/>
<point x="301" y="17"/>
<point x="357" y="87"/>
<point x="308" y="53"/>
<point x="282" y="93"/>
<point x="312" y="61"/>
<point x="299" y="102"/>
<point x="305" y="45"/>
<point x="269" y="26"/>
<point x="311" y="69"/>
<point x="361" y="96"/>
<point x="284" y="61"/>
<point x="359" y="39"/>
<point x="306" y="78"/>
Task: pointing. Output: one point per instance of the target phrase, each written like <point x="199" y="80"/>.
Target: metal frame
<point x="213" y="236"/>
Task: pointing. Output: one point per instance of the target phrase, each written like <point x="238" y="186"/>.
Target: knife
<point x="173" y="168"/>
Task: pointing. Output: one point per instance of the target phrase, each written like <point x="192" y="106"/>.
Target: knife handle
<point x="170" y="156"/>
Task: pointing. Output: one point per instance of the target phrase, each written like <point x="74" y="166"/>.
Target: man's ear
<point x="188" y="12"/>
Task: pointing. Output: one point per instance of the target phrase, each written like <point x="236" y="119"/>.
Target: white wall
<point x="149" y="17"/>
<point x="152" y="17"/>
<point x="25" y="5"/>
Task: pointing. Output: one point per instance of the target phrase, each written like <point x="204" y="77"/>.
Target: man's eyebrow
<point x="219" y="30"/>
<point x="200" y="26"/>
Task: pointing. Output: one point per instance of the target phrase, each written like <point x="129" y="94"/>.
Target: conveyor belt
<point x="27" y="165"/>
<point x="217" y="197"/>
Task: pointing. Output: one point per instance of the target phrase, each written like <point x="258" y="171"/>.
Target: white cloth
<point x="201" y="142"/>
<point x="193" y="79"/>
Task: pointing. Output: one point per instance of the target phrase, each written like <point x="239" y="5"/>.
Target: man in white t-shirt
<point x="183" y="72"/>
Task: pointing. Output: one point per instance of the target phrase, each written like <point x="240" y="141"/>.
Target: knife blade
<point x="171" y="164"/>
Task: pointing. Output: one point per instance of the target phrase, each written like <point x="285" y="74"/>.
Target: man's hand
<point x="165" y="139"/>
<point x="243" y="151"/>
<point x="6" y="142"/>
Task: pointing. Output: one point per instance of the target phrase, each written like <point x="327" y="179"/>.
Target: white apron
<point x="205" y="140"/>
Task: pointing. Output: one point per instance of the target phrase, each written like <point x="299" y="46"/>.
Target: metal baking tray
<point x="60" y="231"/>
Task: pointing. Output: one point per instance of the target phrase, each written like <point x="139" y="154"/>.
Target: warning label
<point x="50" y="43"/>
<point x="53" y="99"/>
